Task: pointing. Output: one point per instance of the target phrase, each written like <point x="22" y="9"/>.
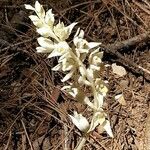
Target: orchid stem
<point x="81" y="144"/>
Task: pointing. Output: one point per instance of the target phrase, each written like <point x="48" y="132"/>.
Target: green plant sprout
<point x="72" y="56"/>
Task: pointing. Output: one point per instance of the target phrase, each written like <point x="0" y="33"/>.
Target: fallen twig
<point x="13" y="46"/>
<point x="31" y="146"/>
<point x="115" y="48"/>
<point x="130" y="42"/>
<point x="129" y="64"/>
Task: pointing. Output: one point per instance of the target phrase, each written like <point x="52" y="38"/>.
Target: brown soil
<point x="33" y="110"/>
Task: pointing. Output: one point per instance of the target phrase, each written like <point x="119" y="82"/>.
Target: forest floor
<point x="33" y="110"/>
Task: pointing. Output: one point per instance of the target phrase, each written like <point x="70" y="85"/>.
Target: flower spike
<point x="80" y="61"/>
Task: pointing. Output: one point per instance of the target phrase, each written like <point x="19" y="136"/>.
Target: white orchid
<point x="71" y="60"/>
<point x="55" y="49"/>
<point x="83" y="80"/>
<point x="47" y="45"/>
<point x="82" y="46"/>
<point x="38" y="9"/>
<point x="99" y="118"/>
<point x="63" y="32"/>
<point x="60" y="49"/>
<point x="68" y="76"/>
<point x="49" y="18"/>
<point x="46" y="31"/>
<point x="73" y="91"/>
<point x="95" y="59"/>
<point x="76" y="92"/>
<point x="45" y="23"/>
<point x="101" y="86"/>
<point x="67" y="63"/>
<point x="36" y="20"/>
<point x="80" y="122"/>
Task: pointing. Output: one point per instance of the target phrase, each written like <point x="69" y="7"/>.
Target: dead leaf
<point x="119" y="70"/>
<point x="120" y="99"/>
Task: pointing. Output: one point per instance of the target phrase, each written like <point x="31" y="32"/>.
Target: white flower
<point x="73" y="91"/>
<point x="36" y="21"/>
<point x="68" y="62"/>
<point x="107" y="127"/>
<point x="43" y="22"/>
<point x="90" y="74"/>
<point x="95" y="59"/>
<point x="49" y="18"/>
<point x="60" y="49"/>
<point x="68" y="75"/>
<point x="99" y="101"/>
<point x="77" y="93"/>
<point x="38" y="9"/>
<point x="83" y="80"/>
<point x="63" y="32"/>
<point x="47" y="46"/>
<point x="99" y="118"/>
<point x="80" y="122"/>
<point x="101" y="87"/>
<point x="82" y="46"/>
<point x="46" y="31"/>
<point x="29" y="7"/>
<point x="55" y="49"/>
<point x="89" y="103"/>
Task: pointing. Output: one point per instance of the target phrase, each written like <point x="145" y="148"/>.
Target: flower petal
<point x="60" y="49"/>
<point x="94" y="67"/>
<point x="57" y="67"/>
<point x="107" y="127"/>
<point x="36" y="21"/>
<point x="93" y="44"/>
<point x="98" y="118"/>
<point x="54" y="53"/>
<point x="90" y="104"/>
<point x="79" y="33"/>
<point x="79" y="121"/>
<point x="29" y="7"/>
<point x="82" y="71"/>
<point x="46" y="31"/>
<point x="38" y="6"/>
<point x="46" y="43"/>
<point x="39" y="10"/>
<point x="49" y="18"/>
<point x="68" y="76"/>
<point x="82" y="80"/>
<point x="42" y="50"/>
<point x="100" y="100"/>
<point x="61" y="31"/>
<point x="70" y="27"/>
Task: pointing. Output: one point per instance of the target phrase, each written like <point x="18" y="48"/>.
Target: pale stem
<point x="81" y="144"/>
<point x="66" y="139"/>
<point x="91" y="81"/>
<point x="83" y="140"/>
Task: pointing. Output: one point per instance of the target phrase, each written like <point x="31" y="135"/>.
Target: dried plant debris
<point x="34" y="110"/>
